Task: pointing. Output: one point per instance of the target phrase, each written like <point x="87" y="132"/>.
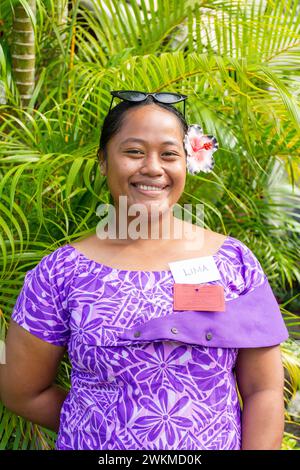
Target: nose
<point x="151" y="165"/>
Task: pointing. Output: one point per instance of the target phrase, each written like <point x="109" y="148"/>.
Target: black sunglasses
<point x="136" y="96"/>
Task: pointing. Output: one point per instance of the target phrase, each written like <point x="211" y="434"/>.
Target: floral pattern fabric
<point x="141" y="395"/>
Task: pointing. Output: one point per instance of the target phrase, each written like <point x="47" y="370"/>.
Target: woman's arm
<point x="27" y="385"/>
<point x="260" y="380"/>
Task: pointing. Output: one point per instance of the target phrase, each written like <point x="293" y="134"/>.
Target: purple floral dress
<point x="141" y="395"/>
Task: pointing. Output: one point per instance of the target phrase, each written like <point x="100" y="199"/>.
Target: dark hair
<point x="114" y="119"/>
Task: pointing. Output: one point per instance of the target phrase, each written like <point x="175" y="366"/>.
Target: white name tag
<point x="195" y="270"/>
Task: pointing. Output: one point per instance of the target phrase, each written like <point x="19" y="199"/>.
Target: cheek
<point x="120" y="173"/>
<point x="178" y="173"/>
<point x="127" y="170"/>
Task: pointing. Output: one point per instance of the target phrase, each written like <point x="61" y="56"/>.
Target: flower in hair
<point x="200" y="149"/>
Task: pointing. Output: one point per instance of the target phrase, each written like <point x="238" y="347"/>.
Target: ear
<point x="102" y="162"/>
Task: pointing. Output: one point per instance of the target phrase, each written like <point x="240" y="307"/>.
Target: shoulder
<point x="55" y="269"/>
<point x="240" y="265"/>
<point x="232" y="248"/>
<point x="240" y="252"/>
<point x="58" y="259"/>
<point x="42" y="304"/>
<point x="212" y="238"/>
<point x="86" y="244"/>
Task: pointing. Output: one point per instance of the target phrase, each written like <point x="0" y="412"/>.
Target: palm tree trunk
<point x="23" y="56"/>
<point x="62" y="15"/>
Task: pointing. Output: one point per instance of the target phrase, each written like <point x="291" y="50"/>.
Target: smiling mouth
<point x="148" y="189"/>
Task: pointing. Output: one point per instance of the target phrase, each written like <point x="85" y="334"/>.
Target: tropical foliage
<point x="239" y="63"/>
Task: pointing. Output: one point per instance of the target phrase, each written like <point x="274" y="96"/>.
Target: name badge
<point x="199" y="297"/>
<point x="195" y="270"/>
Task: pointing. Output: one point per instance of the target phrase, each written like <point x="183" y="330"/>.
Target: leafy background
<point x="239" y="63"/>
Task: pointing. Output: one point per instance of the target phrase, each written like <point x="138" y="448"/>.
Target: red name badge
<point x="199" y="297"/>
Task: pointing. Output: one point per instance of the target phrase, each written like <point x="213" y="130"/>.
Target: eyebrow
<point x="142" y="141"/>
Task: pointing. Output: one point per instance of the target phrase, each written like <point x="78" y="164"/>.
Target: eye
<point x="133" y="151"/>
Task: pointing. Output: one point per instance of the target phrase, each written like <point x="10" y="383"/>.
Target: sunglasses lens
<point x="132" y="95"/>
<point x="168" y="98"/>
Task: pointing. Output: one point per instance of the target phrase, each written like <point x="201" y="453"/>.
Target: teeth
<point x="148" y="188"/>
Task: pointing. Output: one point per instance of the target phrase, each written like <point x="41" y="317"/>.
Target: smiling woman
<point x="147" y="158"/>
<point x="150" y="371"/>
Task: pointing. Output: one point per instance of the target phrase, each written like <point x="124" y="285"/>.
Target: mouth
<point x="149" y="190"/>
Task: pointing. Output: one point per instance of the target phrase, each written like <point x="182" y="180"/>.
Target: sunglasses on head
<point x="136" y="96"/>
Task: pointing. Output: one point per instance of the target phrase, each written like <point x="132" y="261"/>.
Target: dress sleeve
<point x="251" y="271"/>
<point x="41" y="307"/>
<point x="259" y="301"/>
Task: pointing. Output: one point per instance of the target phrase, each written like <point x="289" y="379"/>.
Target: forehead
<point x="151" y="122"/>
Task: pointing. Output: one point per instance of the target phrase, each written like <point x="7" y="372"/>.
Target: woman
<point x="155" y="365"/>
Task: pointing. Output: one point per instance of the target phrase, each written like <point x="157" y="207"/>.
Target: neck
<point x="140" y="231"/>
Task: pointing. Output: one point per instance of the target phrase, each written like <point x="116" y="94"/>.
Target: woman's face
<point x="148" y="150"/>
